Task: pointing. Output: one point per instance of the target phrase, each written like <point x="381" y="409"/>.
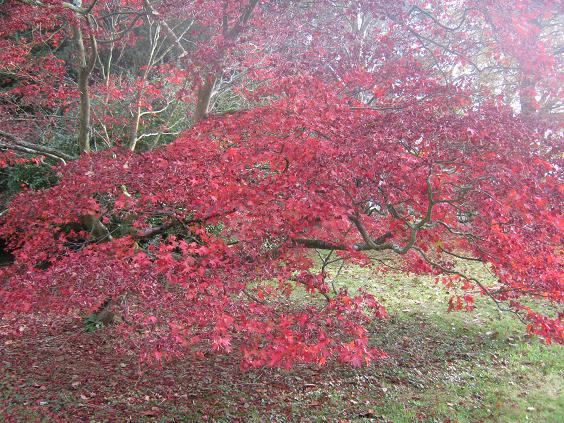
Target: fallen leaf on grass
<point x="154" y="411"/>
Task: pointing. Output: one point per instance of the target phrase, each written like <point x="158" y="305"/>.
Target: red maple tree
<point x="365" y="129"/>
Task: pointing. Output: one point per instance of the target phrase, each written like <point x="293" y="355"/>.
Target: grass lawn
<point x="475" y="366"/>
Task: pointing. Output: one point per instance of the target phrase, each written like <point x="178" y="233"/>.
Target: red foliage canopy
<point x="428" y="131"/>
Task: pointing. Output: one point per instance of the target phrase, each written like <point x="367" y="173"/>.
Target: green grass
<point x="447" y="366"/>
<point x="478" y="366"/>
<point x="459" y="366"/>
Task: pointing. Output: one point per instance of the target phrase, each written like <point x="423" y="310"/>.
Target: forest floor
<point x="475" y="366"/>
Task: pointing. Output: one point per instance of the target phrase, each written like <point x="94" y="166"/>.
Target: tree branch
<point x="18" y="144"/>
<point x="149" y="232"/>
<point x="319" y="244"/>
<point x="168" y="30"/>
<point x="483" y="288"/>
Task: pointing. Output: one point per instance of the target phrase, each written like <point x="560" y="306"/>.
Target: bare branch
<point x="460" y="256"/>
<point x="483" y="288"/>
<point x="168" y="30"/>
<point x="16" y="143"/>
<point x="319" y="244"/>
<point x="434" y="19"/>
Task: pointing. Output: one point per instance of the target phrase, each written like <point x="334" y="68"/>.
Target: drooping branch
<point x="482" y="287"/>
<point x="325" y="295"/>
<point x="450" y="253"/>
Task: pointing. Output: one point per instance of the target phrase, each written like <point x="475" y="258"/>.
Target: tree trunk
<point x="526" y="96"/>
<point x="83" y="76"/>
<point x="84" y="113"/>
<point x="204" y="97"/>
<point x="85" y="67"/>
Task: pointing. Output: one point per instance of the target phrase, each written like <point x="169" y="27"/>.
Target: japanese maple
<point x="426" y="131"/>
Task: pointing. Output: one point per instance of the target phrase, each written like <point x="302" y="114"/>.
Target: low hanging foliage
<point x="355" y="144"/>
